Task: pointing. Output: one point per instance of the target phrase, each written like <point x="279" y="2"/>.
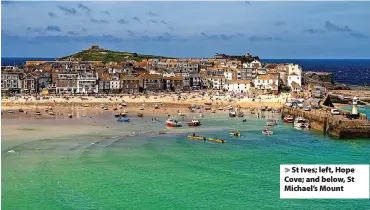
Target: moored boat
<point x="123" y="119"/>
<point x="70" y="115"/>
<point x="193" y="137"/>
<point x="288" y="119"/>
<point x="51" y="113"/>
<point x="267" y="132"/>
<point x="207" y="107"/>
<point x="216" y="140"/>
<point x="21" y="110"/>
<point x="156" y="106"/>
<point x="173" y="123"/>
<point x="236" y="133"/>
<point x="194" y="122"/>
<point x="10" y="111"/>
<point x="123" y="114"/>
<point x="240" y="114"/>
<point x="230" y="107"/>
<point x="140" y="114"/>
<point x="271" y="123"/>
<point x="232" y="114"/>
<point x="301" y="123"/>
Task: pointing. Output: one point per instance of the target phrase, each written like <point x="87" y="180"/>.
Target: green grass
<point x="107" y="56"/>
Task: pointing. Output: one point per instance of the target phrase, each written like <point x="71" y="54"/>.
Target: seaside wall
<point x="334" y="125"/>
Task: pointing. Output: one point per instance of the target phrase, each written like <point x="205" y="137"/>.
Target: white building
<point x="217" y="82"/>
<point x="115" y="84"/>
<point x="254" y="64"/>
<point x="294" y="74"/>
<point x="266" y="82"/>
<point x="87" y="83"/>
<point x="228" y="75"/>
<point x="238" y="86"/>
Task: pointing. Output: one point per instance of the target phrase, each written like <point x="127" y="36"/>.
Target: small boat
<point x="194" y="122"/>
<point x="277" y="110"/>
<point x="173" y="123"/>
<point x="232" y="114"/>
<point x="263" y="108"/>
<point x="301" y="122"/>
<point x="51" y="113"/>
<point x="271" y="123"/>
<point x="115" y="109"/>
<point x="230" y="107"/>
<point x="245" y="120"/>
<point x="216" y="140"/>
<point x="116" y="115"/>
<point x="236" y="133"/>
<point x="46" y="110"/>
<point x="288" y="119"/>
<point x="123" y="114"/>
<point x="156" y="106"/>
<point x="21" y="110"/>
<point x="207" y="107"/>
<point x="10" y="111"/>
<point x="123" y="119"/>
<point x="181" y="114"/>
<point x="220" y="108"/>
<point x="86" y="105"/>
<point x="213" y="111"/>
<point x="193" y="137"/>
<point x="269" y="109"/>
<point x="140" y="114"/>
<point x="124" y="104"/>
<point x="105" y="108"/>
<point x="38" y="113"/>
<point x="208" y="104"/>
<point x="70" y="115"/>
<point x="162" y="132"/>
<point x="240" y="114"/>
<point x="142" y="108"/>
<point x="267" y="132"/>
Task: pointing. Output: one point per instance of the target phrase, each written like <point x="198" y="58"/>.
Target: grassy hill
<point x="99" y="54"/>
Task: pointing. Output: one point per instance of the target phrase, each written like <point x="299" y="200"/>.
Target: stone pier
<point x="335" y="125"/>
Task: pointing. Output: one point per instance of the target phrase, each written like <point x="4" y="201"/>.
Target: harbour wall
<point x="334" y="125"/>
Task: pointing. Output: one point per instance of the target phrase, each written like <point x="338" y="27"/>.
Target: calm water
<point x="169" y="171"/>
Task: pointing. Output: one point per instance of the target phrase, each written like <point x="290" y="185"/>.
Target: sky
<point x="188" y="29"/>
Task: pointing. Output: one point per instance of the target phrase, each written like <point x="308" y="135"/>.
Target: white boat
<point x="271" y="123"/>
<point x="301" y="122"/>
<point x="105" y="108"/>
<point x="10" y="111"/>
<point x="267" y="132"/>
<point x="230" y="107"/>
<point x="181" y="114"/>
<point x="232" y="114"/>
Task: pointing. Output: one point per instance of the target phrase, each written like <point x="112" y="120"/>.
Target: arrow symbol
<point x="287" y="170"/>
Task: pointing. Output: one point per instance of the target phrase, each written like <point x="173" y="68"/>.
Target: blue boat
<point x="123" y="119"/>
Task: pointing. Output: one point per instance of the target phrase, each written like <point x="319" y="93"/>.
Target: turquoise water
<point x="169" y="171"/>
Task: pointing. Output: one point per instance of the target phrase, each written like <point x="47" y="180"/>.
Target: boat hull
<point x="193" y="124"/>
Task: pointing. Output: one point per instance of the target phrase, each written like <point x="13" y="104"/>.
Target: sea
<point x="346" y="71"/>
<point x="131" y="166"/>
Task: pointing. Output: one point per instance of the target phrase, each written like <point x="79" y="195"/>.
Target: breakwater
<point x="335" y="125"/>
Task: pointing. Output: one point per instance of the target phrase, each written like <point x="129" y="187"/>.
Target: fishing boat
<point x="21" y="110"/>
<point x="232" y="114"/>
<point x="194" y="122"/>
<point x="193" y="137"/>
<point x="220" y="108"/>
<point x="38" y="113"/>
<point x="142" y="108"/>
<point x="235" y="133"/>
<point x="181" y="114"/>
<point x="156" y="106"/>
<point x="263" y="108"/>
<point x="173" y="123"/>
<point x="267" y="132"/>
<point x="51" y="113"/>
<point x="301" y="122"/>
<point x="207" y="107"/>
<point x="288" y="119"/>
<point x="116" y="115"/>
<point x="70" y="115"/>
<point x="86" y="105"/>
<point x="124" y="104"/>
<point x="123" y="114"/>
<point x="271" y="123"/>
<point x="105" y="108"/>
<point x="240" y="114"/>
<point x="216" y="140"/>
<point x="245" y="120"/>
<point x="269" y="109"/>
<point x="123" y="119"/>
<point x="140" y="114"/>
<point x="208" y="104"/>
<point x="277" y="110"/>
<point x="10" y="111"/>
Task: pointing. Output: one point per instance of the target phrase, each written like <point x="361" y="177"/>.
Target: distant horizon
<point x="212" y="57"/>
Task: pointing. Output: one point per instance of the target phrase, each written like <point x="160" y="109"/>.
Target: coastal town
<point x="240" y="82"/>
<point x="155" y="75"/>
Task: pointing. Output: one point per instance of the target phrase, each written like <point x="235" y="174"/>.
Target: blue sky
<point x="188" y="29"/>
